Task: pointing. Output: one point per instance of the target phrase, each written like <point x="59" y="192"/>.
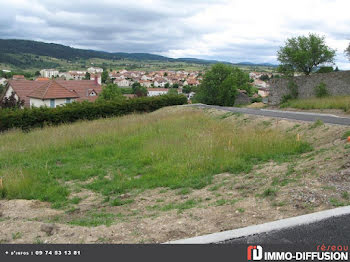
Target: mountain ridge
<point x="10" y="49"/>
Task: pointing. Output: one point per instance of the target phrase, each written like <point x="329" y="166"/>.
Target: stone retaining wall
<point x="337" y="83"/>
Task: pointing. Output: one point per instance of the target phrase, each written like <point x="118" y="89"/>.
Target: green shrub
<point x="346" y="135"/>
<point x="126" y="90"/>
<point x="321" y="90"/>
<point x="256" y="99"/>
<point x="39" y="117"/>
<point x="285" y="99"/>
<point x="317" y="123"/>
<point x="325" y="69"/>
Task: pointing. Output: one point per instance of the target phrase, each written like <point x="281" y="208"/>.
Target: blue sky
<point x="233" y="31"/>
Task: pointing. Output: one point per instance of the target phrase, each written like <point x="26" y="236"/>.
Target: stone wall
<point x="337" y="83"/>
<point x="242" y="99"/>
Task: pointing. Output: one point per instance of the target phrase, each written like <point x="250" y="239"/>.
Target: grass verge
<point x="329" y="102"/>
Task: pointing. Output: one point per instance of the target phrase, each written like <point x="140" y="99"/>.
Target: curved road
<point x="303" y="116"/>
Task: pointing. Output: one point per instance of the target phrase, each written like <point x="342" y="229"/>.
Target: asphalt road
<point x="335" y="230"/>
<point x="311" y="117"/>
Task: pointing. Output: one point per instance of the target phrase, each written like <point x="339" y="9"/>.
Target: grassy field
<point x="174" y="150"/>
<point x="161" y="176"/>
<point x="330" y="102"/>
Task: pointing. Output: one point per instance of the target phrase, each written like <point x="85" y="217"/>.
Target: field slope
<point x="166" y="175"/>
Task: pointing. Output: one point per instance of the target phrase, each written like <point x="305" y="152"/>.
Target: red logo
<point x="254" y="253"/>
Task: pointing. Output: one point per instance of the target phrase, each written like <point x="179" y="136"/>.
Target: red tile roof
<point x="81" y="88"/>
<point x="18" y="77"/>
<point x="42" y="79"/>
<point x="52" y="90"/>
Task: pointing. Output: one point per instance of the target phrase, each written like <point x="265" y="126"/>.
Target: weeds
<point x="17" y="235"/>
<point x="336" y="202"/>
<point x="269" y="192"/>
<point x="120" y="202"/>
<point x="346" y="135"/>
<point x="93" y="219"/>
<point x="328" y="102"/>
<point x="316" y="124"/>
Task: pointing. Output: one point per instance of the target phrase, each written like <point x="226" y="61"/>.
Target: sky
<point x="227" y="30"/>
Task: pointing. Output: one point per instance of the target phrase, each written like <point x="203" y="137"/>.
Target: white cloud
<point x="249" y="30"/>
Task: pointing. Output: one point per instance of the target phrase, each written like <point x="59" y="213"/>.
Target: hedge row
<point x="38" y="117"/>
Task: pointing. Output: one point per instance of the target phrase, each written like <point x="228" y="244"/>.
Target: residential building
<point x="52" y="93"/>
<point x="18" y="77"/>
<point x="123" y="82"/>
<point x="160" y="91"/>
<point x="263" y="91"/>
<point x="260" y="83"/>
<point x="145" y="83"/>
<point x="157" y="91"/>
<point x="97" y="78"/>
<point x="75" y="75"/>
<point x="49" y="73"/>
<point x="3" y="81"/>
<point x="95" y="70"/>
<point x="42" y="79"/>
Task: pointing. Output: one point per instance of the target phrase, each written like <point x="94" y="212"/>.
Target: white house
<point x="145" y="77"/>
<point x="76" y="75"/>
<point x="123" y="82"/>
<point x="51" y="94"/>
<point x="95" y="70"/>
<point x="3" y="81"/>
<point x="263" y="92"/>
<point x="145" y="83"/>
<point x="157" y="91"/>
<point x="260" y="83"/>
<point x="49" y="73"/>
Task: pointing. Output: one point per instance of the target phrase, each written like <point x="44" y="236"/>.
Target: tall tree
<point x="347" y="51"/>
<point x="139" y="90"/>
<point x="104" y="76"/>
<point x="220" y="84"/>
<point x="110" y="92"/>
<point x="87" y="76"/>
<point x="304" y="53"/>
<point x="11" y="102"/>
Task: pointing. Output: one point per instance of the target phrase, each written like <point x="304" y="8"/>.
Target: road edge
<point x="264" y="228"/>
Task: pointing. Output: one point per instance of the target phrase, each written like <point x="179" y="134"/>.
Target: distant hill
<point x="256" y="64"/>
<point x="27" y="54"/>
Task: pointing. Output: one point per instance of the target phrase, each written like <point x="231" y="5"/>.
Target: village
<point x="53" y="88"/>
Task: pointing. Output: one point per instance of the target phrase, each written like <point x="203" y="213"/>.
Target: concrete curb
<point x="264" y="228"/>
